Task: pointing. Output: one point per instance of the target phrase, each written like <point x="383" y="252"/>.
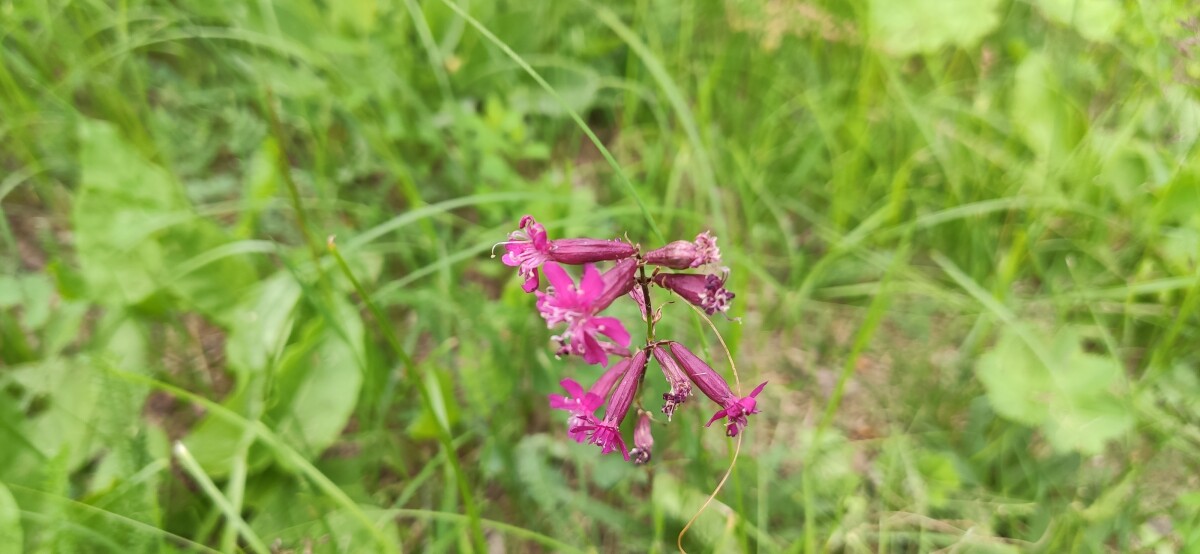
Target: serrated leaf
<point x="84" y="409"/>
<point x="908" y="27"/>
<point x="133" y="224"/>
<point x="1056" y="386"/>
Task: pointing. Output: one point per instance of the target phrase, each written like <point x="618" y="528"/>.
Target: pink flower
<point x="706" y="291"/>
<point x="529" y="248"/>
<point x="682" y="254"/>
<point x="643" y="441"/>
<point x="607" y="432"/>
<point x="681" y="387"/>
<point x="735" y="412"/>
<point x="577" y="306"/>
<point x="583" y="405"/>
<point x="734" y="409"/>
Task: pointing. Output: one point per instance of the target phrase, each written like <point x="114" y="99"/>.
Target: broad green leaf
<point x="262" y="323"/>
<point x="1095" y="20"/>
<point x="1018" y="387"/>
<point x="122" y="200"/>
<point x="32" y="293"/>
<point x="1056" y="386"/>
<point x="133" y="225"/>
<point x="358" y="15"/>
<point x="444" y="411"/>
<point x="1041" y="114"/>
<point x="940" y="476"/>
<point x="80" y="408"/>
<point x="319" y="380"/>
<point x="215" y="441"/>
<point x="907" y="27"/>
<point x="1179" y="200"/>
<point x="11" y="536"/>
<point x="261" y="182"/>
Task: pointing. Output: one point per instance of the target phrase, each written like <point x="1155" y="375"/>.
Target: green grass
<point x="964" y="239"/>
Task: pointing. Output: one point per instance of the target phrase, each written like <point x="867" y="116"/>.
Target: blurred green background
<point x="963" y="235"/>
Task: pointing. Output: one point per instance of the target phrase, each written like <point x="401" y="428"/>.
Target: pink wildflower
<point x="643" y="441"/>
<point x="607" y="432"/>
<point x="577" y="306"/>
<point x="734" y="409"/>
<point x="583" y="405"/>
<point x="529" y="248"/>
<point x="681" y="387"/>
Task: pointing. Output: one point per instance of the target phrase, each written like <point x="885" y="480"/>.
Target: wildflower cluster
<point x="697" y="279"/>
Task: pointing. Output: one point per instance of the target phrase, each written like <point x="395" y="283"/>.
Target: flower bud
<point x="706" y="291"/>
<point x="586" y="251"/>
<point x="706" y="379"/>
<point x="682" y="254"/>
<point x="617" y="281"/>
<point x="681" y="387"/>
<point x="642" y="440"/>
<point x="733" y="409"/>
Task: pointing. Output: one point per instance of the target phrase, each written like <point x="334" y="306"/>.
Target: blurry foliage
<point x="968" y="232"/>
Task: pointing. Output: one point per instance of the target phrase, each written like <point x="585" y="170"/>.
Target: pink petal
<point x="575" y="389"/>
<point x="715" y="417"/>
<point x="510" y="257"/>
<point x="559" y="402"/>
<point x="531" y="282"/>
<point x="537" y="234"/>
<point x="593" y="353"/>
<point x="591" y="285"/>
<point x="758" y="389"/>
<point x="612" y="328"/>
<point x="562" y="283"/>
<point x="590" y="403"/>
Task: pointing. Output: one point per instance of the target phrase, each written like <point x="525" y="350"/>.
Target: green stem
<point x="285" y="171"/>
<point x="645" y="284"/>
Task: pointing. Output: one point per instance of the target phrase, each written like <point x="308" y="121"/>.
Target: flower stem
<point x="645" y="283"/>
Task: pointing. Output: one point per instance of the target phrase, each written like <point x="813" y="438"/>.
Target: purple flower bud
<point x="706" y="291"/>
<point x="529" y="247"/>
<point x="605" y="383"/>
<point x="681" y="387"/>
<point x="682" y="254"/>
<point x="585" y="251"/>
<point x="617" y="281"/>
<point x="708" y="381"/>
<point x="734" y="409"/>
<point x="607" y="433"/>
<point x="642" y="440"/>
